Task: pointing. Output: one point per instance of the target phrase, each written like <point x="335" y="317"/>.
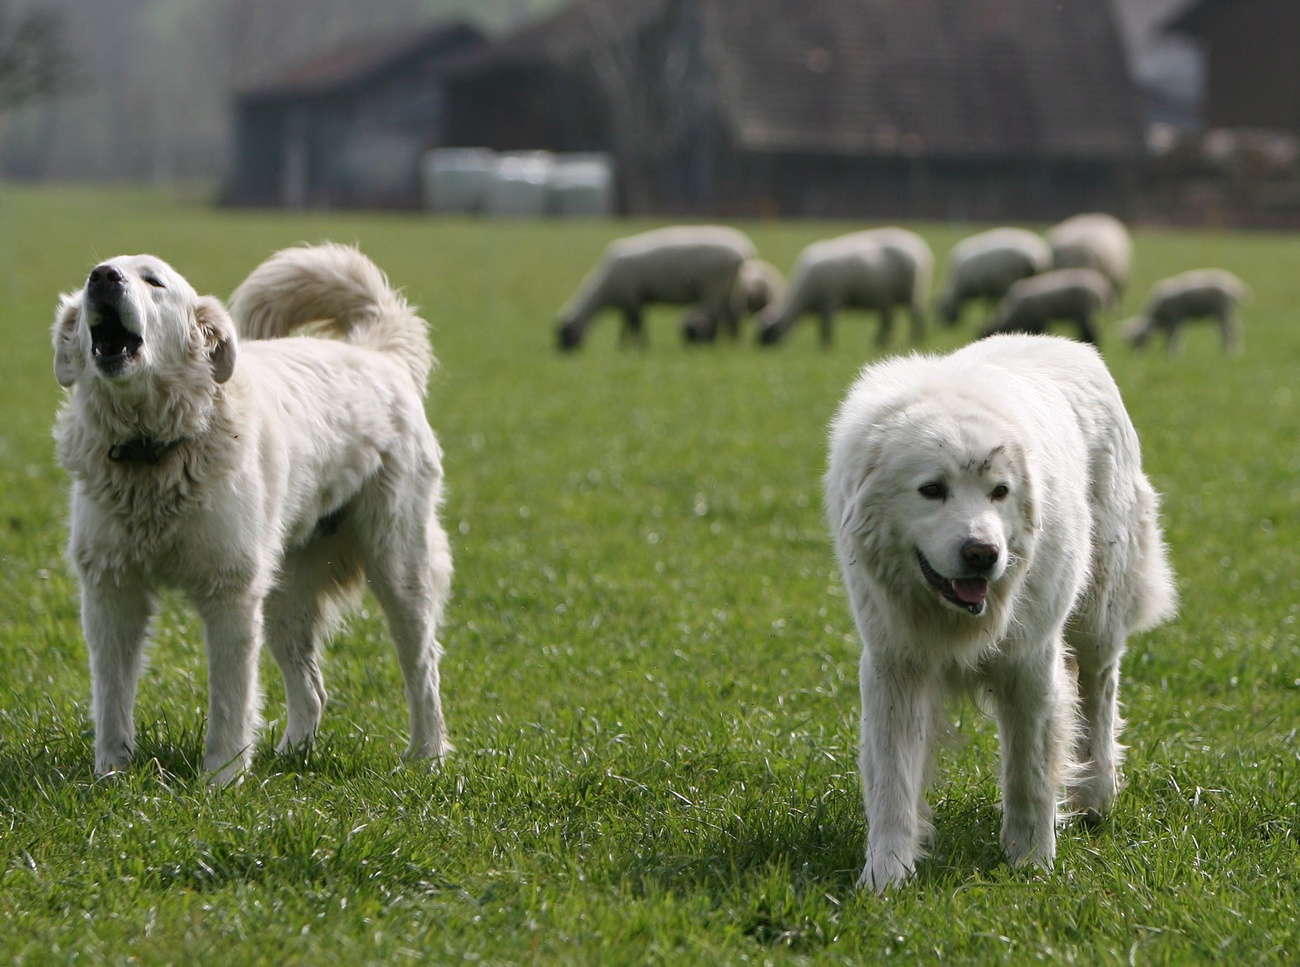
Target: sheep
<point x="1072" y="294"/>
<point x="1198" y="294"/>
<point x="911" y="269"/>
<point x="691" y="265"/>
<point x="851" y="271"/>
<point x="1093" y="241"/>
<point x="758" y="285"/>
<point x="984" y="266"/>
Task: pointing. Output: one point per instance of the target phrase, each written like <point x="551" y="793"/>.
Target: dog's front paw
<point x="109" y="760"/>
<point x="294" y="744"/>
<point x="434" y="751"/>
<point x="1092" y="797"/>
<point x="223" y="769"/>
<point x="1026" y="843"/>
<point x="106" y="768"/>
<point x="883" y="872"/>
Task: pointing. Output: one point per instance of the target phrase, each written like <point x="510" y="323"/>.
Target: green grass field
<point x="651" y="670"/>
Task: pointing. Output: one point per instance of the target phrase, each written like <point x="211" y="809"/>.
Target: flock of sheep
<point x="1078" y="269"/>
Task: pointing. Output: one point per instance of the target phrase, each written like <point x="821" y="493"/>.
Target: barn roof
<point x="978" y="77"/>
<point x="956" y="78"/>
<point x="362" y="59"/>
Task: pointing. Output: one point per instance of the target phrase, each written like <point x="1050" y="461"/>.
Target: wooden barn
<point x="345" y="129"/>
<point x="1252" y="61"/>
<point x="980" y="109"/>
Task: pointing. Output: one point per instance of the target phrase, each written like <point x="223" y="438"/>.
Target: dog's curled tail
<point x="338" y="290"/>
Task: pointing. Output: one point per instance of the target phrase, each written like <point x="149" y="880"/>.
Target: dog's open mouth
<point x="968" y="593"/>
<point x="112" y="343"/>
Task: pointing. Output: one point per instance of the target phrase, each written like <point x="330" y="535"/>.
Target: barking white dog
<point x="995" y="531"/>
<point x="265" y="477"/>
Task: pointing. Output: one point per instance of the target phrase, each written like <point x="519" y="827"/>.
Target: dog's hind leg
<point x="408" y="564"/>
<point x="1098" y="752"/>
<point x="1097" y="652"/>
<point x="115" y="620"/>
<point x="298" y="612"/>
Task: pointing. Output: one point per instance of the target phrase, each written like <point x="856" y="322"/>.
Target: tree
<point x="36" y="60"/>
<point x="647" y="62"/>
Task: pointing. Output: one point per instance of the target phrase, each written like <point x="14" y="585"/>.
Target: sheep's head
<point x="568" y="336"/>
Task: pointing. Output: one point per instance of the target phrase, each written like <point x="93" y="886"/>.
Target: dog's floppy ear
<point x="856" y="519"/>
<point x="218" y="336"/>
<point x="68" y="358"/>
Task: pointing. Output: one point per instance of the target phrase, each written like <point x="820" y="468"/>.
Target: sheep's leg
<point x="633" y="327"/>
<point x="918" y="323"/>
<point x="886" y="326"/>
<point x="1231" y="325"/>
<point x="826" y="322"/>
<point x="1174" y="339"/>
<point x="723" y="320"/>
<point x="1088" y="329"/>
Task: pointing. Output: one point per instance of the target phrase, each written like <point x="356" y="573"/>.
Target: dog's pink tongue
<point x="970" y="590"/>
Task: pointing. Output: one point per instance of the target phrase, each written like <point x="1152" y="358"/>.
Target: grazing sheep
<point x="1093" y="241"/>
<point x="1198" y="294"/>
<point x="759" y="284"/>
<point x="1075" y="295"/>
<point x="849" y="272"/>
<point x="690" y="265"/>
<point x="986" y="265"/>
<point x="911" y="269"/>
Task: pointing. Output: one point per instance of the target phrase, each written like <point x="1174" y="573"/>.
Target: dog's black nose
<point x="979" y="554"/>
<point x="105" y="275"/>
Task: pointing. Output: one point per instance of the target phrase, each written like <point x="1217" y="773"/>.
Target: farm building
<point x="979" y="109"/>
<point x="976" y="109"/>
<point x="346" y="128"/>
<point x="1252" y="61"/>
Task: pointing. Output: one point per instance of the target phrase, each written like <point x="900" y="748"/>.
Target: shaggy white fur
<point x="264" y="477"/>
<point x="995" y="532"/>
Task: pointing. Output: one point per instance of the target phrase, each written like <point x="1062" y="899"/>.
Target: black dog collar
<point x="142" y="450"/>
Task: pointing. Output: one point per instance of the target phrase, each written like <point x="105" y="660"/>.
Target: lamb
<point x="876" y="269"/>
<point x="759" y="284"/>
<point x="1093" y="241"/>
<point x="984" y="266"/>
<point x="1070" y="294"/>
<point x="851" y="271"/>
<point x="1198" y="294"/>
<point x="690" y="265"/>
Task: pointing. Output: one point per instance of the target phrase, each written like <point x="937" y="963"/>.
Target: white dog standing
<point x="995" y="531"/>
<point x="265" y="477"/>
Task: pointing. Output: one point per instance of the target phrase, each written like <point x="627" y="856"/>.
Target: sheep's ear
<point x="218" y="336"/>
<point x="68" y="358"/>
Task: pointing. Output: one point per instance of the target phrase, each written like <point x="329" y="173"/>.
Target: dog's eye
<point x="999" y="492"/>
<point x="934" y="490"/>
<point x="154" y="281"/>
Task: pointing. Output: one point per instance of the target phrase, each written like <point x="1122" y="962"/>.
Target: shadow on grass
<point x="820" y="841"/>
<point x="62" y="753"/>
